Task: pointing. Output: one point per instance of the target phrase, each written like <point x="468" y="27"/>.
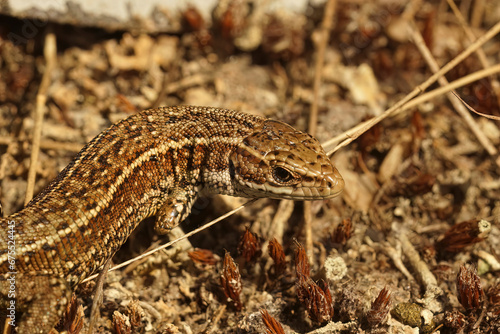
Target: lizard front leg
<point x="174" y="209"/>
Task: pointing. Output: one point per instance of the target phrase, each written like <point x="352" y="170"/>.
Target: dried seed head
<point x="231" y="281"/>
<point x="343" y="232"/>
<point x="380" y="308"/>
<point x="316" y="298"/>
<point x="272" y="325"/>
<point x="301" y="263"/>
<point x="470" y="293"/>
<point x="278" y="255"/>
<point x="464" y="234"/>
<point x="203" y="256"/>
<point x="249" y="246"/>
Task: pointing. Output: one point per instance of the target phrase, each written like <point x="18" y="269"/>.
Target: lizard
<point x="153" y="163"/>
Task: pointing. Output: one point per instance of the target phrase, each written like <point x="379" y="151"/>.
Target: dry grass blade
<point x="50" y="53"/>
<point x="495" y="118"/>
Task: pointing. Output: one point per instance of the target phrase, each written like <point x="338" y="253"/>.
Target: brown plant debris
<point x="272" y="325"/>
<point x="278" y="255"/>
<point x="343" y="232"/>
<point x="455" y="319"/>
<point x="464" y="234"/>
<point x="315" y="297"/>
<point x="469" y="291"/>
<point x="249" y="246"/>
<point x="231" y="281"/>
<point x="73" y="317"/>
<point x="203" y="256"/>
<point x="380" y="308"/>
<point x="302" y="268"/>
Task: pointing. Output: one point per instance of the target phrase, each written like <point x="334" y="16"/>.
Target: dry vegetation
<point x="413" y="240"/>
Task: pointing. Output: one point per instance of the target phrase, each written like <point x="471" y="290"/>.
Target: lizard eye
<point x="282" y="175"/>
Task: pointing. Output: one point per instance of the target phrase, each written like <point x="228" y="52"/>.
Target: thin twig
<point x="347" y="137"/>
<point x="351" y="135"/>
<point x="323" y="36"/>
<point x="470" y="35"/>
<point x="50" y="54"/>
<point x="459" y="107"/>
<point x="168" y="244"/>
<point x="365" y="126"/>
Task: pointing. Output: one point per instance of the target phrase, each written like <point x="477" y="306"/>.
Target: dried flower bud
<point x="380" y="308"/>
<point x="231" y="281"/>
<point x="316" y="298"/>
<point x="470" y="293"/>
<point x="464" y="234"/>
<point x="343" y="232"/>
<point x="301" y="263"/>
<point x="278" y="255"/>
<point x="272" y="325"/>
<point x="203" y="256"/>
<point x="249" y="246"/>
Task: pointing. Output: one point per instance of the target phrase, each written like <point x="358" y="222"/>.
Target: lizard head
<point x="279" y="161"/>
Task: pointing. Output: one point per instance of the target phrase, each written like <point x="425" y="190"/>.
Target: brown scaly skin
<point x="153" y="163"/>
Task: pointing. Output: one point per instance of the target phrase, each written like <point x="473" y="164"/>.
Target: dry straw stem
<point x="322" y="38"/>
<point x="462" y="111"/>
<point x="475" y="20"/>
<point x="50" y="54"/>
<point x="348" y="136"/>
